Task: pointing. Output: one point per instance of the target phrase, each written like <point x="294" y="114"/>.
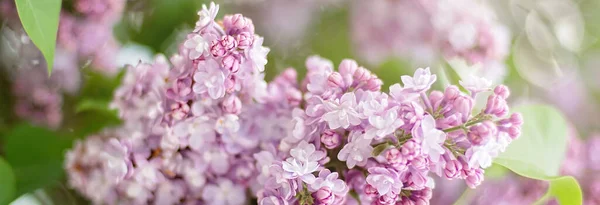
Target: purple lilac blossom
<point x="427" y="31"/>
<point x="204" y="126"/>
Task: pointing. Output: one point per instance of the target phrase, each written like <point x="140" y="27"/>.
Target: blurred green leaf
<point x="92" y="105"/>
<point x="40" y="21"/>
<point x="539" y="151"/>
<point x="495" y="172"/>
<point x="36" y="155"/>
<point x="7" y="182"/>
<point x="391" y="70"/>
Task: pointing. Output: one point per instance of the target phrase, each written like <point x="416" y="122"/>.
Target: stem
<point x="427" y="102"/>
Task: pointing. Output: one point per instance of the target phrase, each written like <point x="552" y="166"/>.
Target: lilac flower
<point x="384" y="180"/>
<point x="421" y="81"/>
<point x="481" y="156"/>
<point x="431" y="138"/>
<point x="206" y="16"/>
<point x="330" y="180"/>
<point x="197" y="46"/>
<point x="357" y="151"/>
<point x="384" y="125"/>
<point x="303" y="162"/>
<point x="342" y="113"/>
<point x="210" y="79"/>
<point x="224" y="193"/>
<point x="475" y="84"/>
<point x="258" y="54"/>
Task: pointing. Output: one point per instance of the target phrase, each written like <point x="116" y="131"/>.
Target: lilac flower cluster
<point x="205" y="127"/>
<point x="85" y="34"/>
<point x="423" y="30"/>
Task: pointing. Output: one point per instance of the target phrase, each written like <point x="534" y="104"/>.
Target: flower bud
<point x="502" y="91"/>
<point x="514" y="132"/>
<point x="474" y="178"/>
<point x="232" y="105"/>
<point x="451" y="93"/>
<point x="374" y="84"/>
<point x="361" y="74"/>
<point x="245" y="40"/>
<point x="348" y="67"/>
<point x="387" y="199"/>
<point x="481" y="133"/>
<point x="217" y="49"/>
<point x="335" y="80"/>
<point x="179" y="110"/>
<point x="228" y="42"/>
<point x="294" y="97"/>
<point x="330" y="139"/>
<point x="496" y="105"/>
<point x="410" y="149"/>
<point x="463" y="105"/>
<point x="323" y="196"/>
<point x="231" y="63"/>
<point x="452" y="169"/>
<point x="371" y="191"/>
<point x="516" y="119"/>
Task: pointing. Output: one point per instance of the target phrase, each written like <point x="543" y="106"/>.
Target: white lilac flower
<point x="206" y="16"/>
<point x="197" y="46"/>
<point x="210" y="79"/>
<point x="475" y="84"/>
<point x="384" y="180"/>
<point x="384" y="124"/>
<point x="432" y="139"/>
<point x="421" y="81"/>
<point x="304" y="161"/>
<point x="342" y="113"/>
<point x="258" y="54"/>
<point x="224" y="192"/>
<point x="357" y="151"/>
<point x="328" y="179"/>
<point x="227" y="124"/>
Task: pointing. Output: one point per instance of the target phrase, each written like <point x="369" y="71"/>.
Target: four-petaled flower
<point x="421" y="81"/>
<point x="431" y="138"/>
<point x="197" y="46"/>
<point x="342" y="113"/>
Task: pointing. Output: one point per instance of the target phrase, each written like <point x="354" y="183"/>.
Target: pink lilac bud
<point x="502" y="91"/>
<point x="245" y="40"/>
<point x="231" y="63"/>
<point x="371" y="191"/>
<point x="452" y="169"/>
<point x="436" y="98"/>
<point x="463" y="105"/>
<point x="232" y="105"/>
<point x="474" y="177"/>
<point x="230" y="84"/>
<point x="496" y="105"/>
<point x="217" y="49"/>
<point x="335" y="80"/>
<point x="228" y="42"/>
<point x="451" y="93"/>
<point x="410" y="113"/>
<point x="294" y="97"/>
<point x="362" y="74"/>
<point x="179" y="110"/>
<point x="387" y="199"/>
<point x="348" y="67"/>
<point x="516" y="119"/>
<point x="481" y="133"/>
<point x="514" y="132"/>
<point x="374" y="84"/>
<point x="420" y="162"/>
<point x="323" y="196"/>
<point x="331" y="139"/>
<point x="410" y="149"/>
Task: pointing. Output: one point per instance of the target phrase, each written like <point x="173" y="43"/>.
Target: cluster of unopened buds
<point x="204" y="127"/>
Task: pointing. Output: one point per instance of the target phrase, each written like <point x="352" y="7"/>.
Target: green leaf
<point x="539" y="151"/>
<point x="36" y="155"/>
<point x="91" y="104"/>
<point x="495" y="172"/>
<point x="377" y="150"/>
<point x="40" y="21"/>
<point x="391" y="70"/>
<point x="7" y="182"/>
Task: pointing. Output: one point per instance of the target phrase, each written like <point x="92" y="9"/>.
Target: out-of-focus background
<point x="546" y="51"/>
